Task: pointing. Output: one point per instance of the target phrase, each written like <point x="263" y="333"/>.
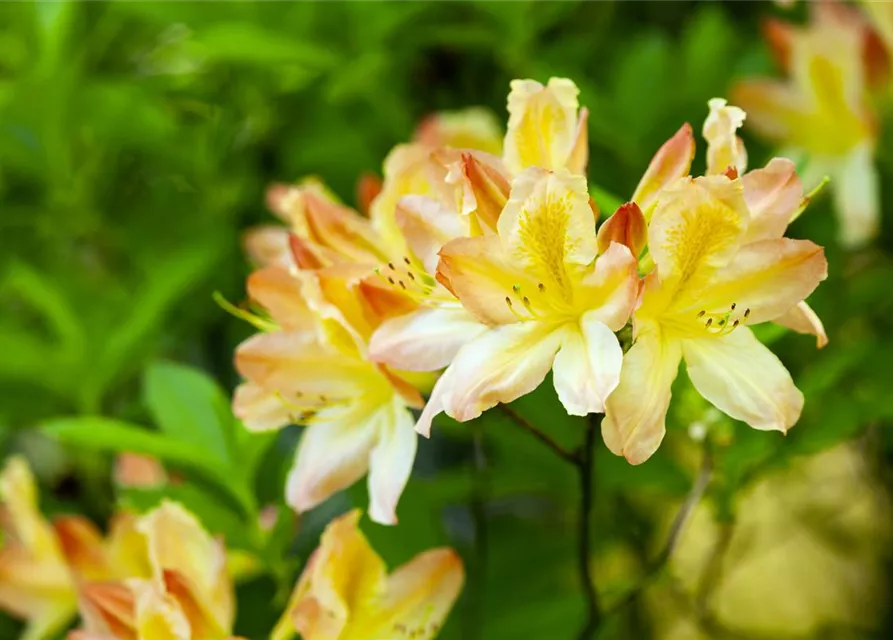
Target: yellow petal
<point x="425" y="340"/>
<point x="347" y="576"/>
<point x="108" y="609"/>
<point x="18" y="491"/>
<point x="587" y="367"/>
<point x="724" y="148"/>
<point x="427" y="225"/>
<point x="489" y="187"/>
<point x="745" y="380"/>
<point x="696" y="228"/>
<point x="390" y="462"/>
<point x="856" y="190"/>
<point x="773" y="108"/>
<point x="333" y="454"/>
<point x="279" y="292"/>
<point x="608" y="292"/>
<point x="803" y="319"/>
<point x="473" y="128"/>
<point x="83" y="547"/>
<point x="127" y="549"/>
<point x="765" y="280"/>
<point x="158" y="616"/>
<point x="773" y="195"/>
<point x="636" y="411"/>
<point x="671" y="162"/>
<point x="501" y="365"/>
<point x="178" y="543"/>
<point x="547" y="228"/>
<point x="260" y="409"/>
<point x="419" y="596"/>
<point x="542" y="127"/>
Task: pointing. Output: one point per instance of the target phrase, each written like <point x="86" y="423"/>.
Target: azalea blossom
<point x="174" y="582"/>
<point x="550" y="301"/>
<point x="823" y="109"/>
<point x="312" y="369"/>
<point x="346" y="593"/>
<point x="708" y="286"/>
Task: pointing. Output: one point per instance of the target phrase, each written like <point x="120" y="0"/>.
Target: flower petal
<point x="158" y="614"/>
<point x="803" y="319"/>
<point x="548" y="227"/>
<point x="774" y="195"/>
<point x="609" y="291"/>
<point x="697" y="227"/>
<point x="856" y="188"/>
<point x="331" y="456"/>
<point x="765" y="280"/>
<point x="419" y="596"/>
<point x="724" y="148"/>
<point x="489" y="187"/>
<point x="427" y="225"/>
<point x="742" y="378"/>
<point x="472" y="128"/>
<point x="477" y="272"/>
<point x="501" y="365"/>
<point x="635" y="413"/>
<point x="279" y="292"/>
<point x="587" y="367"/>
<point x="627" y="227"/>
<point x="267" y="245"/>
<point x="260" y="409"/>
<point x="390" y="463"/>
<point x="542" y="127"/>
<point x="425" y="340"/>
<point x="773" y="108"/>
<point x="671" y="162"/>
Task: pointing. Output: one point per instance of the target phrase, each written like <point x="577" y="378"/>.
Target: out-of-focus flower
<point x="550" y="303"/>
<point x="823" y="108"/>
<point x="313" y="370"/>
<point x="346" y="593"/>
<point x="135" y="470"/>
<point x="474" y="128"/>
<point x="36" y="584"/>
<point x="179" y="587"/>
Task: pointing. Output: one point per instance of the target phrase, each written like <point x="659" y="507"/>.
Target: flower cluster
<point x="837" y="66"/>
<point x="161" y="576"/>
<point x="489" y="268"/>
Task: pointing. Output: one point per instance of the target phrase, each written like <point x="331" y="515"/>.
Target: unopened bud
<point x="627" y="226"/>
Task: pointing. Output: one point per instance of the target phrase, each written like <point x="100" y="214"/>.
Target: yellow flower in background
<point x="823" y="109"/>
<point x="172" y="582"/>
<point x="36" y="584"/>
<point x="550" y="301"/>
<point x="346" y="593"/>
<point x="313" y="370"/>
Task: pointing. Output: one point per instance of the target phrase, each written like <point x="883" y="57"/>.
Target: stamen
<point x="746" y="313"/>
<point x="406" y="260"/>
<point x="734" y="305"/>
<point x="517" y="289"/>
<point x="391" y="266"/>
<point x="402" y="284"/>
<point x="735" y="324"/>
<point x="411" y="275"/>
<point x="709" y="322"/>
<point x="701" y="313"/>
<point x="391" y="280"/>
<point x="508" y="301"/>
<point x="541" y="287"/>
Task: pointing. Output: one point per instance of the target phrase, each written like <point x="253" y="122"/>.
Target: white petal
<point x="390" y="463"/>
<point x="587" y="368"/>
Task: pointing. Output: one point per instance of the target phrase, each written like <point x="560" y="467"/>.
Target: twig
<point x="661" y="559"/>
<point x="542" y="437"/>
<point x="585" y="464"/>
<point x="479" y="516"/>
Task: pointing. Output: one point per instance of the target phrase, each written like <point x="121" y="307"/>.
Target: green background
<point x="137" y="141"/>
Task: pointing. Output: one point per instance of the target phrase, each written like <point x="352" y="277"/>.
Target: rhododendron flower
<point x="709" y="284"/>
<point x="313" y="370"/>
<point x="177" y="585"/>
<point x="823" y="108"/>
<point x="346" y="593"/>
<point x="550" y="301"/>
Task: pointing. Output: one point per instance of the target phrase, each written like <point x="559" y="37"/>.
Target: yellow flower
<point x="173" y="582"/>
<point x="313" y="370"/>
<point x="823" y="109"/>
<point x="708" y="285"/>
<point x="549" y="301"/>
<point x="35" y="582"/>
<point x="346" y="593"/>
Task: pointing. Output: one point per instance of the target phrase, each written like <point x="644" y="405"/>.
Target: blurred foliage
<point x="138" y="138"/>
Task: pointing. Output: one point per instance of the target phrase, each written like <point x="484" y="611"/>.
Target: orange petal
<point x="267" y="245"/>
<point x="627" y="227"/>
<point x="280" y="294"/>
<point x="490" y="189"/>
<point x="773" y="195"/>
<point x="83" y="547"/>
<point x="140" y="471"/>
<point x="803" y="319"/>
<point x="671" y="162"/>
<point x="368" y="188"/>
<point x="111" y="607"/>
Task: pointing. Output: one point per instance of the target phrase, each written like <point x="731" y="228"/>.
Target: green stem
<point x="585" y="465"/>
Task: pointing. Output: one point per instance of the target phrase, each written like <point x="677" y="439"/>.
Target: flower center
<point x="724" y="322"/>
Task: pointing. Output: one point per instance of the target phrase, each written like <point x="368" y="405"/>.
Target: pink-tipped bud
<point x="490" y="189"/>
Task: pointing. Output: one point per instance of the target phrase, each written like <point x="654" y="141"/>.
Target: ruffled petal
<point x="671" y="162"/>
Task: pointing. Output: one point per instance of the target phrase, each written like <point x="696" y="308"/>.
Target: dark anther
<point x="391" y="266"/>
<point x="709" y="322"/>
<point x="721" y="322"/>
<point x="508" y="301"/>
<point x="701" y="313"/>
<point x="735" y="324"/>
<point x="406" y="260"/>
<point x="402" y="286"/>
<point x="391" y="280"/>
<point x="526" y="301"/>
<point x="733" y="306"/>
<point x="746" y="313"/>
<point x="411" y="277"/>
<point x="541" y="287"/>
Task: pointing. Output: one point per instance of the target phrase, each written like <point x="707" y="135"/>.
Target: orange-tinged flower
<point x="173" y="582"/>
<point x="823" y="109"/>
<point x="473" y="128"/>
<point x="346" y="593"/>
<point x="708" y="286"/>
<point x="551" y="303"/>
<point x="35" y="582"/>
<point x="313" y="370"/>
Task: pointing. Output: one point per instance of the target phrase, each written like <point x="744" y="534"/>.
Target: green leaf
<point x="189" y="407"/>
<point x="248" y="43"/>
